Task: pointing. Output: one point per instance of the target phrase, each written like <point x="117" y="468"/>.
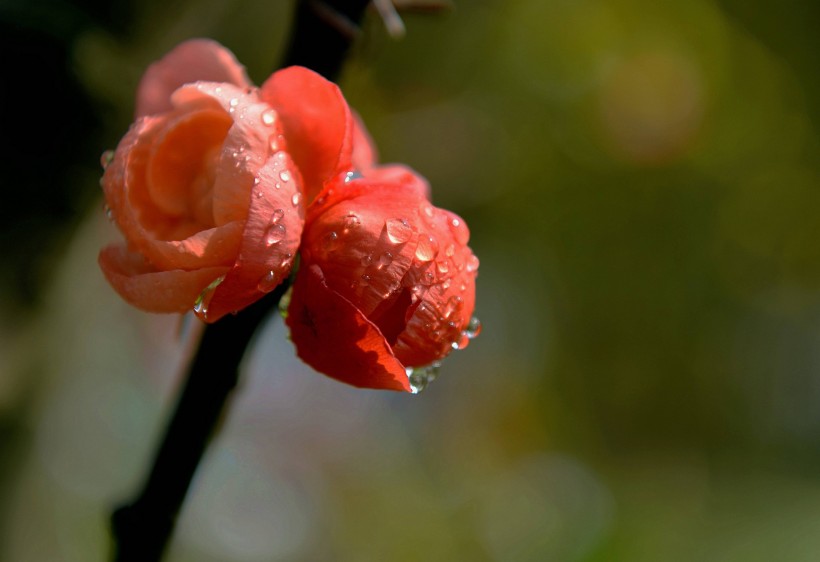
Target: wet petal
<point x="317" y="121"/>
<point x="270" y="240"/>
<point x="335" y="338"/>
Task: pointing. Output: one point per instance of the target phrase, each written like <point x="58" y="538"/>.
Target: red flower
<point x="386" y="283"/>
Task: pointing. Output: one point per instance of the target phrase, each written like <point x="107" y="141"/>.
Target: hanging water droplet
<point x="472" y="263"/>
<point x="353" y="175"/>
<point x="473" y="328"/>
<point x="286" y="261"/>
<point x="204" y="299"/>
<point x="420" y="377"/>
<point x="296" y="198"/>
<point x="385" y="259"/>
<point x="398" y="230"/>
<point x="275" y="234"/>
<point x="268" y="282"/>
<point x="427" y="248"/>
<point x="277" y="215"/>
<point x="106" y="158"/>
<point x="268" y="117"/>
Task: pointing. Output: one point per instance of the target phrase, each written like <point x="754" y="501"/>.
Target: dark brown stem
<point x="142" y="528"/>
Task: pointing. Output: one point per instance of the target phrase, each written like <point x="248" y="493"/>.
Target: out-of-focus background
<point x="642" y="182"/>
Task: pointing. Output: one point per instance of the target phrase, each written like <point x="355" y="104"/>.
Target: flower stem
<point x="142" y="528"/>
<point x="322" y="34"/>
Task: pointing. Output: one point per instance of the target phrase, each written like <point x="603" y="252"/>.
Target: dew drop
<point x="268" y="117"/>
<point x="277" y="215"/>
<point x="106" y="158"/>
<point x="451" y="249"/>
<point x="351" y="221"/>
<point x="452" y="306"/>
<point x="234" y="102"/>
<point x="385" y="259"/>
<point x="427" y="248"/>
<point x="429" y="277"/>
<point x="284" y="175"/>
<point x="420" y="377"/>
<point x="268" y="282"/>
<point x="204" y="299"/>
<point x="398" y="230"/>
<point x="443" y="267"/>
<point x="297" y="197"/>
<point x="277" y="185"/>
<point x="472" y="264"/>
<point x="331" y="240"/>
<point x="459" y="230"/>
<point x="473" y="328"/>
<point x="275" y="234"/>
<point x="259" y="194"/>
<point x="256" y="181"/>
<point x="353" y="175"/>
<point x="365" y="279"/>
<point x="367" y="259"/>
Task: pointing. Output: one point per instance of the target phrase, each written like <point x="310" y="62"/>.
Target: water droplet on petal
<point x="385" y="259"/>
<point x="106" y="158"/>
<point x="277" y="215"/>
<point x="367" y="259"/>
<point x="259" y="194"/>
<point x="268" y="117"/>
<point x="398" y="230"/>
<point x="443" y="266"/>
<point x="365" y="279"/>
<point x="275" y="234"/>
<point x="459" y="230"/>
<point x="427" y="248"/>
<point x="351" y="221"/>
<point x="234" y="102"/>
<point x="452" y="306"/>
<point x="451" y="249"/>
<point x="297" y="197"/>
<point x="331" y="240"/>
<point x="472" y="263"/>
<point x="284" y="175"/>
<point x="354" y="175"/>
<point x="268" y="282"/>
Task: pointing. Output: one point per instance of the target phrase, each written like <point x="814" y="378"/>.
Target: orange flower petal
<point x="335" y="338"/>
<point x="191" y="61"/>
<point x="141" y="285"/>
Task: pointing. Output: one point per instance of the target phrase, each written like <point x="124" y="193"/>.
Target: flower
<point x="203" y="185"/>
<point x="386" y="282"/>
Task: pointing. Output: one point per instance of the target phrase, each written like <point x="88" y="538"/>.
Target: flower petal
<point x="191" y="61"/>
<point x="335" y="338"/>
<point x="318" y="124"/>
<point x="141" y="285"/>
<point x="270" y="239"/>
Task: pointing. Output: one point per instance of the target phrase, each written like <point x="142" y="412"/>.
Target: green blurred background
<point x="641" y="179"/>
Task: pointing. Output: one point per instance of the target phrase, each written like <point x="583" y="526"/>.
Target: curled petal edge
<point x="142" y="286"/>
<point x="335" y="338"/>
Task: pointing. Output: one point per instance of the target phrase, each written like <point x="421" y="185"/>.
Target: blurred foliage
<point x="640" y="179"/>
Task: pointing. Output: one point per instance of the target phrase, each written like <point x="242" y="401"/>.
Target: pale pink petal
<point x="191" y="61"/>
